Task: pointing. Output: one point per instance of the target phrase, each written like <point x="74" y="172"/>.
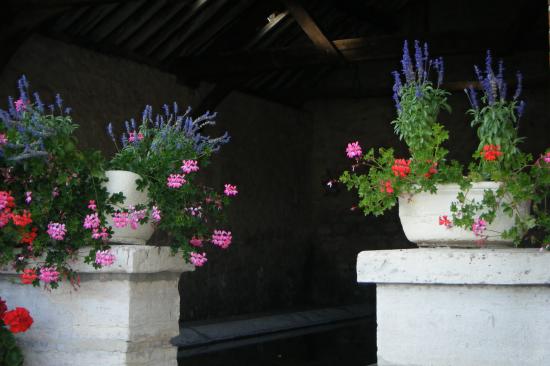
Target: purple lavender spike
<point x="406" y="63"/>
<point x="519" y="86"/>
<point x="419" y="59"/>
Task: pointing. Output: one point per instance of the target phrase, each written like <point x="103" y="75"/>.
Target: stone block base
<point x="125" y="314"/>
<point x="460" y="306"/>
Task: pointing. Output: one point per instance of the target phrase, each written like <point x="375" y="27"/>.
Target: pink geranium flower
<point x="176" y="180"/>
<point x="194" y="211"/>
<point x="3" y="139"/>
<point x="56" y="231"/>
<point x="135" y="216"/>
<point x="222" y="238"/>
<point x="6" y="200"/>
<point x="479" y="226"/>
<point x="48" y="274"/>
<point x="91" y="221"/>
<point x="155" y="214"/>
<point x="353" y="150"/>
<point x="104" y="258"/>
<point x="91" y="205"/>
<point x="189" y="166"/>
<point x="134" y="136"/>
<point x="196" y="242"/>
<point x="198" y="259"/>
<point x="120" y="219"/>
<point x="103" y="234"/>
<point x="230" y="190"/>
<point x="19" y="105"/>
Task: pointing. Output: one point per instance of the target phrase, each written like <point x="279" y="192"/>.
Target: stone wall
<point x="99" y="89"/>
<point x="263" y="269"/>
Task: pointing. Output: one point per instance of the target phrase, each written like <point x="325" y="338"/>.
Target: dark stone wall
<point x="267" y="158"/>
<point x="100" y="89"/>
<point x="264" y="270"/>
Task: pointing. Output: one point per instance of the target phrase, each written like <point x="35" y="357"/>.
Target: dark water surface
<point x="353" y="344"/>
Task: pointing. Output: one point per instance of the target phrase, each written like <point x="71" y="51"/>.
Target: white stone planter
<point x="125" y="182"/>
<point x="449" y="307"/>
<point x="122" y="315"/>
<point x="419" y="215"/>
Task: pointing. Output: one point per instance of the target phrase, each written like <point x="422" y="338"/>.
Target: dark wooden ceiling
<point x="260" y="47"/>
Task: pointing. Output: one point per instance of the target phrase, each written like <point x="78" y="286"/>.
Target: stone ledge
<point x="132" y="259"/>
<point x="455" y="266"/>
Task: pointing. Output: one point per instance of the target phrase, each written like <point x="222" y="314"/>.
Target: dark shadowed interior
<point x="293" y="82"/>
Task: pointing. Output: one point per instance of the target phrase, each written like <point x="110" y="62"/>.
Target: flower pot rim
<point x="120" y="171"/>
<point x="454" y="187"/>
<point x="475" y="185"/>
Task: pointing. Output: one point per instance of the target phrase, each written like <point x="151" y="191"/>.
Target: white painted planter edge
<point x="131" y="259"/>
<point x="455" y="266"/>
<point x="419" y="215"/>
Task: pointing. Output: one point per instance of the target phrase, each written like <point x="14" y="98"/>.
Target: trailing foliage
<point x="46" y="186"/>
<point x="380" y="177"/>
<point x="167" y="150"/>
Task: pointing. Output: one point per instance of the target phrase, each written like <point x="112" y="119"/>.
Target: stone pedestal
<point x="124" y="314"/>
<point x="463" y="307"/>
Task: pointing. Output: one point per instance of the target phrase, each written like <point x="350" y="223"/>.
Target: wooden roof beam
<point x="66" y="3"/>
<point x="217" y="67"/>
<point x="267" y="28"/>
<point x="310" y="28"/>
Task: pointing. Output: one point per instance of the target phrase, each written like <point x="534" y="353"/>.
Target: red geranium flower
<point x="444" y="220"/>
<point x="5" y="217"/>
<point x="17" y="320"/>
<point x="28" y="276"/>
<point x="22" y="220"/>
<point x="491" y="152"/>
<point x="401" y="167"/>
<point x="432" y="170"/>
<point x="386" y="187"/>
<point x="6" y="200"/>
<point x="28" y="237"/>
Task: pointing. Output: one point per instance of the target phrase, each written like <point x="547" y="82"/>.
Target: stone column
<point x="464" y="307"/>
<point x="124" y="314"/>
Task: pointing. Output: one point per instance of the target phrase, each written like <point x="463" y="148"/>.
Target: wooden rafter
<point x="215" y="67"/>
<point x="268" y="27"/>
<point x="310" y="28"/>
<point x="172" y="27"/>
<point x="66" y="3"/>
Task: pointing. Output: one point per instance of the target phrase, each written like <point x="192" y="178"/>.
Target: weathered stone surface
<point x="455" y="266"/>
<point x="124" y="315"/>
<point x="460" y="307"/>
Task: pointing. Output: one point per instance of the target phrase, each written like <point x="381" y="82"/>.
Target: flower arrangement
<point x="380" y="178"/>
<point x="17" y="320"/>
<point x="168" y="152"/>
<point x="52" y="202"/>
